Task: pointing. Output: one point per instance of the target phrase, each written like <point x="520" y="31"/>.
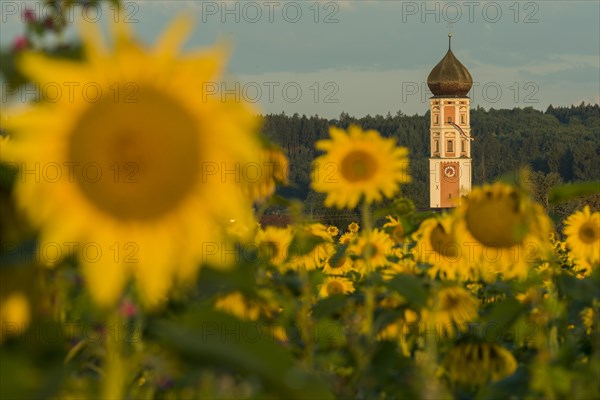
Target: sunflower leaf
<point x="410" y="287"/>
<point x="505" y="313"/>
<point x="329" y="305"/>
<point x="204" y="336"/>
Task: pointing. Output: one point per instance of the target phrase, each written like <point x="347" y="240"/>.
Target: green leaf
<point x="505" y="313"/>
<point x="382" y="212"/>
<point x="329" y="333"/>
<point x="579" y="289"/>
<point x="204" y="336"/>
<point x="329" y="305"/>
<point x="339" y="253"/>
<point x="213" y="281"/>
<point x="410" y="287"/>
<point x="303" y="243"/>
<point x="573" y="190"/>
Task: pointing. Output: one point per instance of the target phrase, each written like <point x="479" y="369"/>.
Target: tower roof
<point x="449" y="78"/>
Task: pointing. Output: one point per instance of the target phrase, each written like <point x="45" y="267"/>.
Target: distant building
<point x="277" y="220"/>
<point x="450" y="131"/>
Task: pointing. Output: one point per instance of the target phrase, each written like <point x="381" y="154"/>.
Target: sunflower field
<point x="133" y="263"/>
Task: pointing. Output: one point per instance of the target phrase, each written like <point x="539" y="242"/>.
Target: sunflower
<point x="474" y="364"/>
<point x="452" y="308"/>
<point x="274" y="243"/>
<point x="337" y="265"/>
<point x="15" y="315"/>
<point x="358" y="164"/>
<point x="372" y="250"/>
<point x="260" y="179"/>
<point x="353" y="227"/>
<point x="439" y="247"/>
<point x="336" y="285"/>
<point x="145" y="165"/>
<point x="333" y="230"/>
<point x="237" y="305"/>
<point x="587" y="318"/>
<point x="348" y="238"/>
<point x="582" y="230"/>
<point x="395" y="229"/>
<point x="316" y="255"/>
<point x="504" y="230"/>
<point x="401" y="266"/>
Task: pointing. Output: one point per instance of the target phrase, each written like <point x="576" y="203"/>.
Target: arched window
<point x="450" y="146"/>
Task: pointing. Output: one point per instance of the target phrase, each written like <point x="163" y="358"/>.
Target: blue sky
<point x="373" y="57"/>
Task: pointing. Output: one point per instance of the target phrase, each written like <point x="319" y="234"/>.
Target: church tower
<point x="450" y="131"/>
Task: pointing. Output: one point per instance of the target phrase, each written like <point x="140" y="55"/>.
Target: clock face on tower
<point x="450" y="172"/>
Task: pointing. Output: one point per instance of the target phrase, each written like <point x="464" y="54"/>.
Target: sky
<point x="373" y="57"/>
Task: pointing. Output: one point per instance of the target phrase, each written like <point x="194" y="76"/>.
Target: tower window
<point x="450" y="146"/>
<point x="450" y="119"/>
<point x="462" y="119"/>
<point x="463" y="146"/>
<point x="436" y="119"/>
<point x="436" y="146"/>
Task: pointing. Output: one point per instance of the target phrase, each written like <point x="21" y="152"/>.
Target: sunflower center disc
<point x="450" y="302"/>
<point x="588" y="233"/>
<point x="337" y="262"/>
<point x="358" y="166"/>
<point x="335" y="287"/>
<point x="496" y="222"/>
<point x="398" y="233"/>
<point x="135" y="161"/>
<point x="443" y="243"/>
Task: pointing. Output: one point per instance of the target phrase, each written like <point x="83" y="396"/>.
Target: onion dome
<point x="449" y="78"/>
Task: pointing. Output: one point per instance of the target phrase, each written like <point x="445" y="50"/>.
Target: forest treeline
<point x="559" y="145"/>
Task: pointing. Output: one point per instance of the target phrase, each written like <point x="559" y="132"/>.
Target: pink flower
<point x="29" y="15"/>
<point x="49" y="23"/>
<point x="128" y="309"/>
<point x="20" y="43"/>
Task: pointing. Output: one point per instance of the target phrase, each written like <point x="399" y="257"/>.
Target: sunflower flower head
<point x="333" y="230"/>
<point x="439" y="247"/>
<point x="315" y="245"/>
<point x="336" y="285"/>
<point x="358" y="165"/>
<point x="505" y="231"/>
<point x="353" y="227"/>
<point x="338" y="264"/>
<point x="372" y="250"/>
<point x="261" y="179"/>
<point x="14" y="311"/>
<point x="475" y="364"/>
<point x="142" y="157"/>
<point x="451" y="310"/>
<point x="348" y="238"/>
<point x="273" y="244"/>
<point x="582" y="230"/>
<point x="239" y="306"/>
<point x="394" y="227"/>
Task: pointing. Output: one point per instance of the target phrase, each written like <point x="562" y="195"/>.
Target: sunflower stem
<point x="369" y="290"/>
<point x="304" y="319"/>
<point x="366" y="217"/>
<point x="114" y="367"/>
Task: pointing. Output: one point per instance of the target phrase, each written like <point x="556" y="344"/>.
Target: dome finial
<point x="449" y="78"/>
